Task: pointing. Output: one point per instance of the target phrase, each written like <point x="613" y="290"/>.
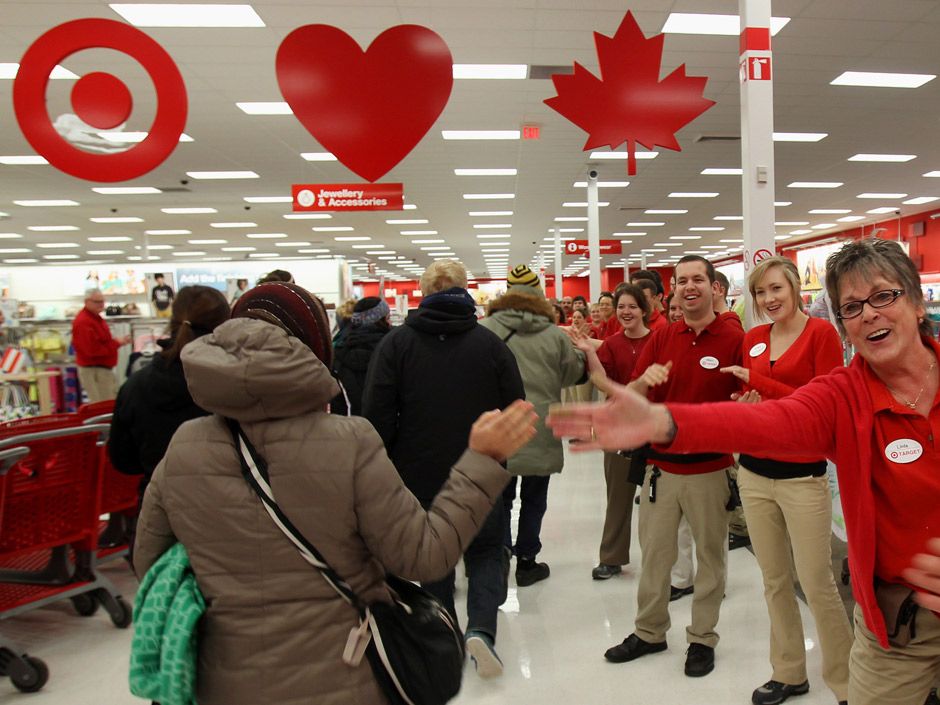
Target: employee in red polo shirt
<point x="682" y="363"/>
<point x="879" y="420"/>
<point x="650" y="289"/>
<point x="95" y="349"/>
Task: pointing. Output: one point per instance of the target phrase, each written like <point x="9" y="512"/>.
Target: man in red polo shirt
<point x="95" y="349"/>
<point x="681" y="363"/>
<point x="655" y="299"/>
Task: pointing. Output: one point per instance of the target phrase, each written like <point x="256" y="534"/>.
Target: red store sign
<point x="580" y="247"/>
<point x="348" y="197"/>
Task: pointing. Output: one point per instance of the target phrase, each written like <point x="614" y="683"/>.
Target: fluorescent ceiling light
<point x="682" y="194"/>
<point x="706" y="229"/>
<point x="571" y="219"/>
<point x="480" y="134"/>
<point x="602" y="184"/>
<point x="409" y="207"/>
<point x="10" y="236"/>
<point x="800" y="232"/>
<point x="494" y="244"/>
<point x="932" y="174"/>
<point x="665" y="212"/>
<point x="418" y="232"/>
<point x="207" y="242"/>
<point x="233" y="225"/>
<point x="685" y="237"/>
<point x="717" y="171"/>
<point x="920" y="200"/>
<point x="629" y="234"/>
<point x="800" y="136"/>
<point x="700" y="23"/>
<point x="126" y="190"/>
<point x="488" y="196"/>
<point x="184" y="15"/>
<point x="117" y="220"/>
<point x="823" y="226"/>
<point x="188" y="211"/>
<point x="307" y="216"/>
<point x="268" y="199"/>
<point x="492" y="235"/>
<point x="60" y="257"/>
<point x="851" y="218"/>
<point x="314" y="251"/>
<point x="486" y="172"/>
<point x="20" y="261"/>
<point x="491" y="71"/>
<point x="48" y="203"/>
<point x="8" y="71"/>
<point x="406" y="221"/>
<point x="239" y="249"/>
<point x="57" y="245"/>
<point x="333" y="229"/>
<point x="829" y="211"/>
<point x="732" y="240"/>
<point x="265" y="108"/>
<point x="366" y="247"/>
<point x="160" y="247"/>
<point x="112" y="238"/>
<point x="712" y="247"/>
<point x="352" y="238"/>
<point x="189" y="254"/>
<point x="14" y="250"/>
<point x="583" y="204"/>
<point x="51" y="228"/>
<point x="222" y="175"/>
<point x="882" y="157"/>
<point x="24" y="160"/>
<point x="644" y="225"/>
<point x="130" y="137"/>
<point x="728" y="217"/>
<point x="294" y="243"/>
<point x="668" y="244"/>
<point x="265" y="236"/>
<point x="426" y="242"/>
<point x="167" y="232"/>
<point x="480" y="214"/>
<point x="780" y="204"/>
<point x="319" y="156"/>
<point x="886" y="196"/>
<point x="781" y="237"/>
<point x="882" y="211"/>
<point x="491" y="226"/>
<point x="267" y="255"/>
<point x="106" y="252"/>
<point x="623" y="155"/>
<point x="815" y="184"/>
<point x="793" y="222"/>
<point x="882" y="80"/>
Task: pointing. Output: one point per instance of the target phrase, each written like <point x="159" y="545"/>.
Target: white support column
<point x="757" y="145"/>
<point x="594" y="238"/>
<point x="559" y="285"/>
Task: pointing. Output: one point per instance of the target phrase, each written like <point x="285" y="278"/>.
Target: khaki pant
<point x="797" y="514"/>
<point x="701" y="499"/>
<point x="615" y="541"/>
<point x="899" y="675"/>
<point x="99" y="383"/>
<point x="737" y="522"/>
<point x="683" y="571"/>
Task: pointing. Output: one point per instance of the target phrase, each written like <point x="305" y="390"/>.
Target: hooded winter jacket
<point x="548" y="362"/>
<point x="352" y="364"/>
<point x="429" y="381"/>
<point x="274" y="631"/>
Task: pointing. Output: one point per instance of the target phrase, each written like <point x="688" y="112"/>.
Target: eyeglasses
<point x="880" y="299"/>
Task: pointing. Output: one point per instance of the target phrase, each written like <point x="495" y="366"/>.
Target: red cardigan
<point x="831" y="416"/>
<point x="91" y="337"/>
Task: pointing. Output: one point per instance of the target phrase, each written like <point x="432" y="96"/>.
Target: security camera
<point x="184" y="182"/>
<point x="592" y="174"/>
<point x="247" y="208"/>
<point x="114" y="210"/>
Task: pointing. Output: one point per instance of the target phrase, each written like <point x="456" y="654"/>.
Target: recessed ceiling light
<point x="800" y="136"/>
<point x="882" y="80"/>
<point x="51" y="228"/>
<point x="486" y="172"/>
<point x="117" y="220"/>
<point x="623" y="155"/>
<point x="268" y="199"/>
<point x="491" y="71"/>
<point x="261" y="255"/>
<point x="830" y="211"/>
<point x="700" y="23"/>
<point x="158" y="247"/>
<point x="665" y="212"/>
<point x="480" y="134"/>
<point x="629" y="234"/>
<point x="20" y="261"/>
<point x="920" y="200"/>
<point x="366" y="247"/>
<point x="602" y="184"/>
<point x="419" y="232"/>
<point x="571" y="219"/>
<point x="307" y="216"/>
<point x="188" y="211"/>
<point x="683" y="194"/>
<point x="732" y="240"/>
<point x="48" y="203"/>
<point x="111" y="238"/>
<point x="106" y="252"/>
<point x="265" y="236"/>
<point x="352" y="238"/>
<point x="883" y="210"/>
<point x="332" y="228"/>
<point x="426" y="242"/>
<point x="851" y="218"/>
<point x="24" y="160"/>
<point x="181" y="15"/>
<point x="780" y="204"/>
<point x="815" y="184"/>
<point x="823" y="226"/>
<point x="644" y="225"/>
<point x="483" y="236"/>
<point x="126" y="190"/>
<point x="292" y="243"/>
<point x="222" y="175"/>
<point x="488" y="196"/>
<point x="477" y="214"/>
<point x="14" y="250"/>
<point x="794" y="222"/>
<point x="712" y="247"/>
<point x="188" y="254"/>
<point x="882" y="157"/>
<point x="314" y="251"/>
<point x="491" y="226"/>
<point x="728" y="217"/>
<point x="720" y="171"/>
<point x="707" y="229"/>
<point x="800" y="232"/>
<point x="781" y="237"/>
<point x="60" y="257"/>
<point x="240" y="248"/>
<point x="207" y="242"/>
<point x="233" y="225"/>
<point x="57" y="245"/>
<point x="129" y="137"/>
<point x="885" y="196"/>
<point x="406" y="221"/>
<point x="685" y="237"/>
<point x="8" y="71"/>
<point x="10" y="236"/>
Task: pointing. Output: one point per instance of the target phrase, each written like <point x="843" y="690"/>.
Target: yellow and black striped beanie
<point x="521" y="275"/>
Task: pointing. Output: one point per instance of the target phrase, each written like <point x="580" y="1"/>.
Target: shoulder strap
<point x="511" y="333"/>
<point x="255" y="471"/>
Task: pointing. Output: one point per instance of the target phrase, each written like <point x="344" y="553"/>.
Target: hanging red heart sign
<point x="369" y="108"/>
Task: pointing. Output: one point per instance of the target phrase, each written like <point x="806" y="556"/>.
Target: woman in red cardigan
<point x="877" y="419"/>
<point x="786" y="501"/>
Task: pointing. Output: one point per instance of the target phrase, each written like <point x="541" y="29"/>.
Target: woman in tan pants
<point x="787" y="502"/>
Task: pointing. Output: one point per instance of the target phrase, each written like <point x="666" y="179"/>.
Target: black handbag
<point x="415" y="649"/>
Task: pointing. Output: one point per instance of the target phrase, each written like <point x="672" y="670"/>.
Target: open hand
<point x="656" y="374"/>
<point x="499" y="434"/>
<point x="924" y="574"/>
<point x="742" y="373"/>
<point x="752" y="396"/>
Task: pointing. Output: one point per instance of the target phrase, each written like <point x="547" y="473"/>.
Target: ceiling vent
<point x="717" y="138"/>
<point x="545" y="71"/>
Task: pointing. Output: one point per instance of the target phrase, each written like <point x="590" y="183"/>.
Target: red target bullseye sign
<point x="99" y="99"/>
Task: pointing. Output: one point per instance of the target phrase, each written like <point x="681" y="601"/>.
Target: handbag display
<point x="414" y="647"/>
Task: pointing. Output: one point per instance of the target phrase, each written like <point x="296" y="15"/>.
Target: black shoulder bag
<point x="414" y="647"/>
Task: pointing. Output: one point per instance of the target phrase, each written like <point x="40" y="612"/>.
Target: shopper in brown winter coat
<point x="274" y="631"/>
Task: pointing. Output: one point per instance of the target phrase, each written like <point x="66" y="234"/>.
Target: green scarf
<point x="167" y="611"/>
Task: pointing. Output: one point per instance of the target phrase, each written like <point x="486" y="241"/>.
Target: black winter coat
<point x="151" y="405"/>
<point x="351" y="364"/>
<point x="429" y="381"/>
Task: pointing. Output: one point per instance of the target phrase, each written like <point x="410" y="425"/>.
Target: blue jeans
<point x="534" y="501"/>
<point x="487" y="566"/>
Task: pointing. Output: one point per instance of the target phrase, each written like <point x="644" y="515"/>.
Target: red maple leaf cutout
<point x="629" y="102"/>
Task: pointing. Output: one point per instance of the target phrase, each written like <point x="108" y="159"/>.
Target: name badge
<point x="757" y="350"/>
<point x="903" y="451"/>
<point x="709" y="362"/>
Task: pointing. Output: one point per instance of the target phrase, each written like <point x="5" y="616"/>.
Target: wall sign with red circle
<point x="761" y="255"/>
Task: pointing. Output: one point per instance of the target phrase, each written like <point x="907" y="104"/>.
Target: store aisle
<point x="552" y="635"/>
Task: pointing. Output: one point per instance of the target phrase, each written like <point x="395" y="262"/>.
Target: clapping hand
<point x="752" y="396"/>
<point x="742" y="373"/>
<point x="499" y="434"/>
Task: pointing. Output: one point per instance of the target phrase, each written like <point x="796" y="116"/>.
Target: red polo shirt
<point x="657" y="321"/>
<point x="905" y="480"/>
<point x="694" y="377"/>
<point x="619" y="355"/>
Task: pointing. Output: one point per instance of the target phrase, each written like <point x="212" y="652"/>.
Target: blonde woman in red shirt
<point x="787" y="502"/>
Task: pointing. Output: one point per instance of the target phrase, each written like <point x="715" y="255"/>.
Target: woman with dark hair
<point x="367" y="325"/>
<point x="559" y="314"/>
<point x="274" y="631"/>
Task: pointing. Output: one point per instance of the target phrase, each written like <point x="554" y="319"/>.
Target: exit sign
<point x="531" y="132"/>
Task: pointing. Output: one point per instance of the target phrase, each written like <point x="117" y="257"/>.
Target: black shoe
<point x="735" y="541"/>
<point x="775" y="692"/>
<point x="636" y="500"/>
<point x="933" y="698"/>
<point x="528" y="572"/>
<point x="675" y="593"/>
<point x="632" y="648"/>
<point x="604" y="571"/>
<point x="699" y="660"/>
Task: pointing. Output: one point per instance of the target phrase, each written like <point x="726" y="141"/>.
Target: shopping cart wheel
<point x="122" y="616"/>
<point x="85" y="604"/>
<point x="29" y="674"/>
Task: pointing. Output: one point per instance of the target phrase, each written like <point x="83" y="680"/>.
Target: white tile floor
<point x="552" y="635"/>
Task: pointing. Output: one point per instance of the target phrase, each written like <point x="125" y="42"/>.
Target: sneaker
<point x="528" y="572"/>
<point x="632" y="648"/>
<point x="675" y="593"/>
<point x="736" y="541"/>
<point x="699" y="660"/>
<point x="774" y="692"/>
<point x="605" y="571"/>
<point x="483" y="654"/>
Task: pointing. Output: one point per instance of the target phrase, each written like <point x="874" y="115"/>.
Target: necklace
<point x="913" y="404"/>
